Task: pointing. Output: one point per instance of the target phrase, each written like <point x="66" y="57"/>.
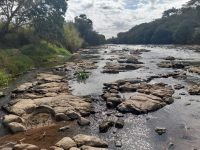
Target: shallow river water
<point x="182" y="122"/>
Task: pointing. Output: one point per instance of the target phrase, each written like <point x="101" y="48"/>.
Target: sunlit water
<point x="182" y="122"/>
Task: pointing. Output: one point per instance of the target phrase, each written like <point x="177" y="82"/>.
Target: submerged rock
<point x="160" y="131"/>
<point x="105" y="126"/>
<point x="88" y="140"/>
<point x="91" y="148"/>
<point x="119" y="123"/>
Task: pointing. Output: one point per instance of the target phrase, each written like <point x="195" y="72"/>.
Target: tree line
<point x="177" y="26"/>
<point x="25" y="22"/>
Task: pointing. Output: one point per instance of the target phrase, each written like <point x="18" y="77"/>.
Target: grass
<point x="82" y="75"/>
<point x="16" y="61"/>
<point x="4" y="79"/>
<point x="45" y="53"/>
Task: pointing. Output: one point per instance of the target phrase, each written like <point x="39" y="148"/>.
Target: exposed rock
<point x="113" y="101"/>
<point x="130" y="60"/>
<point x="194" y="90"/>
<point x="72" y="114"/>
<point x="160" y="131"/>
<point x="66" y="143"/>
<point x="12" y="118"/>
<point x="105" y="126"/>
<point x="195" y="70"/>
<point x="88" y="140"/>
<point x="23" y="87"/>
<point x="16" y="127"/>
<point x="55" y="148"/>
<point x="83" y="122"/>
<point x="74" y="148"/>
<point x="25" y="147"/>
<point x="62" y="129"/>
<point x="2" y="94"/>
<point x="7" y="146"/>
<point x="119" y="123"/>
<point x="141" y="103"/>
<point x="91" y="148"/>
<point x="48" y="77"/>
<point x="170" y="64"/>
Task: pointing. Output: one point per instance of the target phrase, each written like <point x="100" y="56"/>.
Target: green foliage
<point x="85" y="26"/>
<point x="177" y="26"/>
<point x="14" y="62"/>
<point x="4" y="79"/>
<point x="73" y="41"/>
<point x="82" y="75"/>
<point x="45" y="53"/>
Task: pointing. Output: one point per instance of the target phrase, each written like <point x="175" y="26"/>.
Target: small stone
<point x="73" y="115"/>
<point x="178" y="86"/>
<point x="16" y="127"/>
<point x="160" y="131"/>
<point x="62" y="129"/>
<point x="25" y="147"/>
<point x="105" y="126"/>
<point x="170" y="145"/>
<point x="118" y="143"/>
<point x="2" y="94"/>
<point x="119" y="115"/>
<point x="182" y="93"/>
<point x="55" y="148"/>
<point x="83" y="122"/>
<point x="119" y="123"/>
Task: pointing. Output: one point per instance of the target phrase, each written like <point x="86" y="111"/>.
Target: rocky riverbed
<point x="136" y="97"/>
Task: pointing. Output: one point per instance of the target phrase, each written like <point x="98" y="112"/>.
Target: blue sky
<point x="113" y="16"/>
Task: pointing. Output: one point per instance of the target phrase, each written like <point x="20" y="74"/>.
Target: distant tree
<point x="85" y="26"/>
<point x="170" y="12"/>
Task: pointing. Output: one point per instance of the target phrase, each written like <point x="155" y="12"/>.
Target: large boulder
<point x="66" y="143"/>
<point x="88" y="140"/>
<point x="141" y="103"/>
<point x="16" y="127"/>
<point x="25" y="147"/>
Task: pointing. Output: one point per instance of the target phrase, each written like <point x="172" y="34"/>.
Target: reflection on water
<point x="182" y="122"/>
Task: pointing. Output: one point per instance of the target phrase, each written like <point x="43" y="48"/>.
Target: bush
<point x="4" y="79"/>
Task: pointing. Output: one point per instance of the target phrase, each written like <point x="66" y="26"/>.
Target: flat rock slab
<point x="141" y="103"/>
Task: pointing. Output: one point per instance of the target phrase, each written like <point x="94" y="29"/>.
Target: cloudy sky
<point x="113" y="16"/>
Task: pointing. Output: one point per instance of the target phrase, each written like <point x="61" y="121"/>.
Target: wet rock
<point x="194" y="90"/>
<point x="66" y="143"/>
<point x="2" y="94"/>
<point x="187" y="104"/>
<point x="113" y="101"/>
<point x="12" y="118"/>
<point x="170" y="58"/>
<point x="119" y="123"/>
<point x="16" y="127"/>
<point x="141" y="103"/>
<point x="7" y="146"/>
<point x="72" y="115"/>
<point x="25" y="147"/>
<point x="119" y="115"/>
<point x="105" y="126"/>
<point x="118" y="143"/>
<point x="171" y="64"/>
<point x="61" y="117"/>
<point x="178" y="86"/>
<point x="83" y="122"/>
<point x="88" y="140"/>
<point x="110" y="71"/>
<point x="62" y="129"/>
<point x="160" y="131"/>
<point x="91" y="148"/>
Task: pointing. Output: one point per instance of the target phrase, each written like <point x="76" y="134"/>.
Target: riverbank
<point x="136" y="103"/>
<point x="14" y="62"/>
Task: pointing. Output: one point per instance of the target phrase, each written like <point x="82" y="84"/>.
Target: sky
<point x="113" y="16"/>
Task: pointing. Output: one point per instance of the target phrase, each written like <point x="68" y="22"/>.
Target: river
<point x="181" y="121"/>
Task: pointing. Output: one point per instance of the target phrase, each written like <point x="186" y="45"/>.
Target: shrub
<point x="4" y="79"/>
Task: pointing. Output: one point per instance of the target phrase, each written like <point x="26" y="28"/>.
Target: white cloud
<point x="113" y="16"/>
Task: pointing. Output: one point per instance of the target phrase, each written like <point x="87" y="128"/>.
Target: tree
<point x="170" y="12"/>
<point x="85" y="26"/>
<point x="46" y="16"/>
